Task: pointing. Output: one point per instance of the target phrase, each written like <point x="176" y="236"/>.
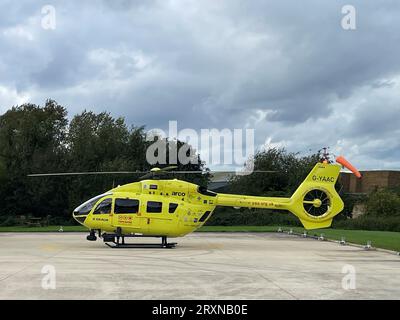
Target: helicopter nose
<point x="79" y="218"/>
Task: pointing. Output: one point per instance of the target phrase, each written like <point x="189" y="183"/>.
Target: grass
<point x="380" y="239"/>
<point x="238" y="229"/>
<point x="43" y="229"/>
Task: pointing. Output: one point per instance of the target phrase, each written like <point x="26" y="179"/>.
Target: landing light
<point x="368" y="246"/>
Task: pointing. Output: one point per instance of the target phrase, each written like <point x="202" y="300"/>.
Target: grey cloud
<point x="212" y="64"/>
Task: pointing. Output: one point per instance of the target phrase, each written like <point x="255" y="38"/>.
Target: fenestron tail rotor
<point x="316" y="202"/>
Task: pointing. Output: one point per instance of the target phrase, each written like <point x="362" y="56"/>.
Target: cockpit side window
<point x="103" y="207"/>
<point x="86" y="207"/>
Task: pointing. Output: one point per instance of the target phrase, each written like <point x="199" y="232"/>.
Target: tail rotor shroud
<point x="316" y="202"/>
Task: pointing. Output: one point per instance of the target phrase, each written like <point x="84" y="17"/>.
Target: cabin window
<point x="126" y="206"/>
<point x="172" y="207"/>
<point x="154" y="207"/>
<point x="103" y="207"/>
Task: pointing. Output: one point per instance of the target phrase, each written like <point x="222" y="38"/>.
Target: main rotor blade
<point x="168" y="168"/>
<point x="147" y="173"/>
<point x="82" y="173"/>
<point x="222" y="171"/>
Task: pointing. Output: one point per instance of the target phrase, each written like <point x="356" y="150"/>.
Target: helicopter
<point x="171" y="208"/>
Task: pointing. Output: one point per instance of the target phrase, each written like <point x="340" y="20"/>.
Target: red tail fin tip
<point x="341" y="160"/>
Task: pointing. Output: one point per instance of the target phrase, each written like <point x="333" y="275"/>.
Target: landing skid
<point x="118" y="241"/>
<point x="142" y="245"/>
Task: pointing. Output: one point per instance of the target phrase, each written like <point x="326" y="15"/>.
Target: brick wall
<point x="370" y="181"/>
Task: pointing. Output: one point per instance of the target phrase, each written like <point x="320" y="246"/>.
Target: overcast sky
<point x="288" y="69"/>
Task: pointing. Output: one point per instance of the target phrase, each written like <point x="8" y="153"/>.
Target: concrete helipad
<point x="202" y="266"/>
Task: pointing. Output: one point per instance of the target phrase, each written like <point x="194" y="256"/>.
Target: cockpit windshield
<point x="85" y="208"/>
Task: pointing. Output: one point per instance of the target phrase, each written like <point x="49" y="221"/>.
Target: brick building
<point x="370" y="181"/>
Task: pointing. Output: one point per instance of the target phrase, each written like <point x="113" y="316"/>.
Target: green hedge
<point x="259" y="217"/>
<point x="13" y="220"/>
<point x="370" y="223"/>
<point x="382" y="211"/>
<point x="229" y="217"/>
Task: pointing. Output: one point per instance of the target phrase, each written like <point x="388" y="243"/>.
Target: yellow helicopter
<point x="166" y="208"/>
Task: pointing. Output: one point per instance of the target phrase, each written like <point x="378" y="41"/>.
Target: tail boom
<point x="315" y="202"/>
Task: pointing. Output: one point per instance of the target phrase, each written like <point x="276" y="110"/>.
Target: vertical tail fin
<point x="316" y="202"/>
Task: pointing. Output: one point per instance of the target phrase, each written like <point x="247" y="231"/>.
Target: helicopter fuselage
<point x="174" y="208"/>
<point x="171" y="208"/>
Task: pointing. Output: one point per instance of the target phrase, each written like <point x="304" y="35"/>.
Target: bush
<point x="8" y="221"/>
<point x="62" y="221"/>
<point x="382" y="212"/>
<point x="350" y="200"/>
<point x="13" y="220"/>
<point x="257" y="217"/>
<point x="370" y="223"/>
<point x="383" y="202"/>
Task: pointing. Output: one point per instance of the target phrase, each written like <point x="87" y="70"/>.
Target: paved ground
<point x="203" y="266"/>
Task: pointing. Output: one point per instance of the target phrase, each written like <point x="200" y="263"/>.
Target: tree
<point x="289" y="171"/>
<point x="383" y="203"/>
<point x="95" y="141"/>
<point x="31" y="140"/>
<point x="35" y="139"/>
<point x="98" y="142"/>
